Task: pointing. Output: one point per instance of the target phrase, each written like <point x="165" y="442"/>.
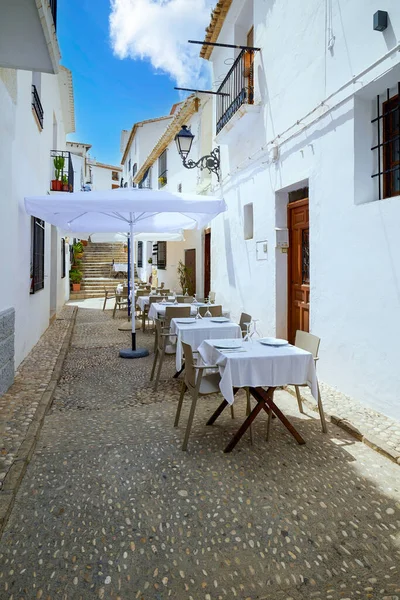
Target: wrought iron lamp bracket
<point x="209" y="161"/>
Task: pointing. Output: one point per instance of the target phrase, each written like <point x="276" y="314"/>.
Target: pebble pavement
<point x="18" y="405"/>
<point x="111" y="508"/>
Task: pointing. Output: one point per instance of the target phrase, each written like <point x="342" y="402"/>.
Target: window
<point x="388" y="146"/>
<point x="63" y="259"/>
<point x="129" y="165"/>
<point x="391" y="148"/>
<point x="162" y="169"/>
<point x="134" y="171"/>
<point x="248" y="221"/>
<point x="161" y="255"/>
<point x="140" y="255"/>
<point x="114" y="175"/>
<point x="179" y="187"/>
<point x="37" y="257"/>
<point x="37" y="107"/>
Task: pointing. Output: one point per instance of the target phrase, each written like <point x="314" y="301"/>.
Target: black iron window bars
<point x="37" y="105"/>
<point x="236" y="89"/>
<point x="37" y="264"/>
<point x="388" y="146"/>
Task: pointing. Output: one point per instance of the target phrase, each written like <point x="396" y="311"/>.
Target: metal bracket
<point x="209" y="161"/>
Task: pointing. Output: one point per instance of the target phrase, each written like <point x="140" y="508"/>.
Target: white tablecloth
<point x="158" y="309"/>
<point x="143" y="301"/>
<point x="195" y="333"/>
<point x="120" y="267"/>
<point x="260" y="365"/>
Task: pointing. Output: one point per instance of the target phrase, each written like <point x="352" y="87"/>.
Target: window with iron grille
<point x="129" y="165"/>
<point x="387" y="123"/>
<point x="63" y="259"/>
<point x="114" y="175"/>
<point x="37" y="258"/>
<point x="140" y="255"/>
<point x="134" y="171"/>
<point x="161" y="255"/>
<point x="162" y="169"/>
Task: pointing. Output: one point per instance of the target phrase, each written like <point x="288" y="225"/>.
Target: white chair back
<point x="307" y="341"/>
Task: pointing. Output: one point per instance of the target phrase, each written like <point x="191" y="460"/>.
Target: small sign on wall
<point x="262" y="250"/>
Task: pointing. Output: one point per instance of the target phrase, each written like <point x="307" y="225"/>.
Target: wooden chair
<point x="121" y="300"/>
<point x="108" y="295"/>
<point x="244" y="318"/>
<point x="198" y="385"/>
<point x="176" y="312"/>
<point x="145" y="312"/>
<point x="310" y="343"/>
<point x="215" y="310"/>
<point x="162" y="336"/>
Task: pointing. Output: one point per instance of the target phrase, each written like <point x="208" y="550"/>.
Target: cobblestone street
<point x="111" y="508"/>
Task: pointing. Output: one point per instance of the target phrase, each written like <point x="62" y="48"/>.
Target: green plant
<point x="162" y="180"/>
<point x="150" y="261"/>
<point x="77" y="248"/>
<point x="59" y="163"/>
<point x="185" y="277"/>
<point x="65" y="179"/>
<point x="75" y="276"/>
<point x="77" y="262"/>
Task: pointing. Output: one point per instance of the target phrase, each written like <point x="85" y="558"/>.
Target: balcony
<point x="37" y="106"/>
<point x="63" y="171"/>
<point x="28" y="36"/>
<point x="237" y="93"/>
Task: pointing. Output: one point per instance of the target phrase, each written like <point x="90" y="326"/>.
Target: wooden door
<point x="207" y="263"/>
<point x="190" y="264"/>
<point x="298" y="268"/>
<point x="248" y="67"/>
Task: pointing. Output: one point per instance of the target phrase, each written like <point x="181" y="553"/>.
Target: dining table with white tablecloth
<point x="143" y="301"/>
<point x="195" y="331"/>
<point x="120" y="267"/>
<point x="157" y="309"/>
<point x="260" y="368"/>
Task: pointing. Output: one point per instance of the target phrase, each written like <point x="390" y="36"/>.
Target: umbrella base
<point x="128" y="326"/>
<point x="128" y="353"/>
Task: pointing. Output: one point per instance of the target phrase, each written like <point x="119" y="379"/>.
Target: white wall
<point x="102" y="178"/>
<point x="354" y="241"/>
<point x="25" y="169"/>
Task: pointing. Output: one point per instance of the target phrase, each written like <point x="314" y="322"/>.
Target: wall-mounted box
<point x="282" y="237"/>
<point x="262" y="250"/>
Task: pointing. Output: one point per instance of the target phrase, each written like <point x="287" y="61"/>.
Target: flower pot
<point x="76" y="287"/>
<point x="84" y="242"/>
<point x="78" y="255"/>
<point x="56" y="185"/>
<point x="65" y="187"/>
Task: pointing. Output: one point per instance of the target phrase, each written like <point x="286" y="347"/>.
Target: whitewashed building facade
<point x="309" y="139"/>
<point x="159" y="166"/>
<point x="36" y="113"/>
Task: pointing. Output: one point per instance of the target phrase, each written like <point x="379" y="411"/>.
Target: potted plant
<point x="75" y="277"/>
<point x="65" y="185"/>
<point x="78" y="250"/>
<point x="185" y="278"/>
<point x="59" y="163"/>
<point x="150" y="261"/>
<point x="84" y="243"/>
<point x="162" y="180"/>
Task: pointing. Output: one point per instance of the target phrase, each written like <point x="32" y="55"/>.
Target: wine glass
<point x="248" y="334"/>
<point x="194" y="301"/>
<point x="208" y="313"/>
<point x="198" y="315"/>
<point x="256" y="333"/>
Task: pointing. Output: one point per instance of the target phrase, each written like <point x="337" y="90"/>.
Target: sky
<point x="126" y="56"/>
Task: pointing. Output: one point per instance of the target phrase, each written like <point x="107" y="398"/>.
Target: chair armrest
<point x="199" y="367"/>
<point x="169" y="335"/>
<point x="316" y="358"/>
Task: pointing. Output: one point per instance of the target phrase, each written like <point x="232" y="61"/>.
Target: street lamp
<point x="184" y="140"/>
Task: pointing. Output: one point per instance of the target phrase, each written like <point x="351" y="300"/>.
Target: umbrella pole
<point x="133" y="352"/>
<point x="129" y="276"/>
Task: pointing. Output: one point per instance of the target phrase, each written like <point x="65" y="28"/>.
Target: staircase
<point x="96" y="268"/>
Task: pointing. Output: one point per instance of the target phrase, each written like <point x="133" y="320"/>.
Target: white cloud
<point x="158" y="30"/>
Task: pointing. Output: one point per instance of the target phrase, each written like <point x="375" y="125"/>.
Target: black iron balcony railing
<point x="53" y="8"/>
<point x="37" y="105"/>
<point x="237" y="87"/>
<point x="63" y="171"/>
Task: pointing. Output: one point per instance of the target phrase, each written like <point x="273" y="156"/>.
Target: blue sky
<point x="113" y="93"/>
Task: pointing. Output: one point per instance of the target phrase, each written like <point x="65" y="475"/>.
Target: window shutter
<point x="161" y="255"/>
<point x="37" y="279"/>
<point x="140" y="255"/>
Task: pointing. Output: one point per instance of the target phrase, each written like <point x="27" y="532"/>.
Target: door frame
<point x="207" y="248"/>
<point x="291" y="206"/>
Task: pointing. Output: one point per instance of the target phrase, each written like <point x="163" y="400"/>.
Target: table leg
<point x="261" y="395"/>
<point x="247" y="423"/>
<point x="220" y="409"/>
<point x="179" y="372"/>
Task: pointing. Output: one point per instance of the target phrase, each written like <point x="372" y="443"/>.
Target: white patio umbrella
<point x="139" y="210"/>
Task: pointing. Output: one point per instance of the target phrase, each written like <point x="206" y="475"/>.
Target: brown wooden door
<point x="207" y="263"/>
<point x="298" y="268"/>
<point x="190" y="264"/>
